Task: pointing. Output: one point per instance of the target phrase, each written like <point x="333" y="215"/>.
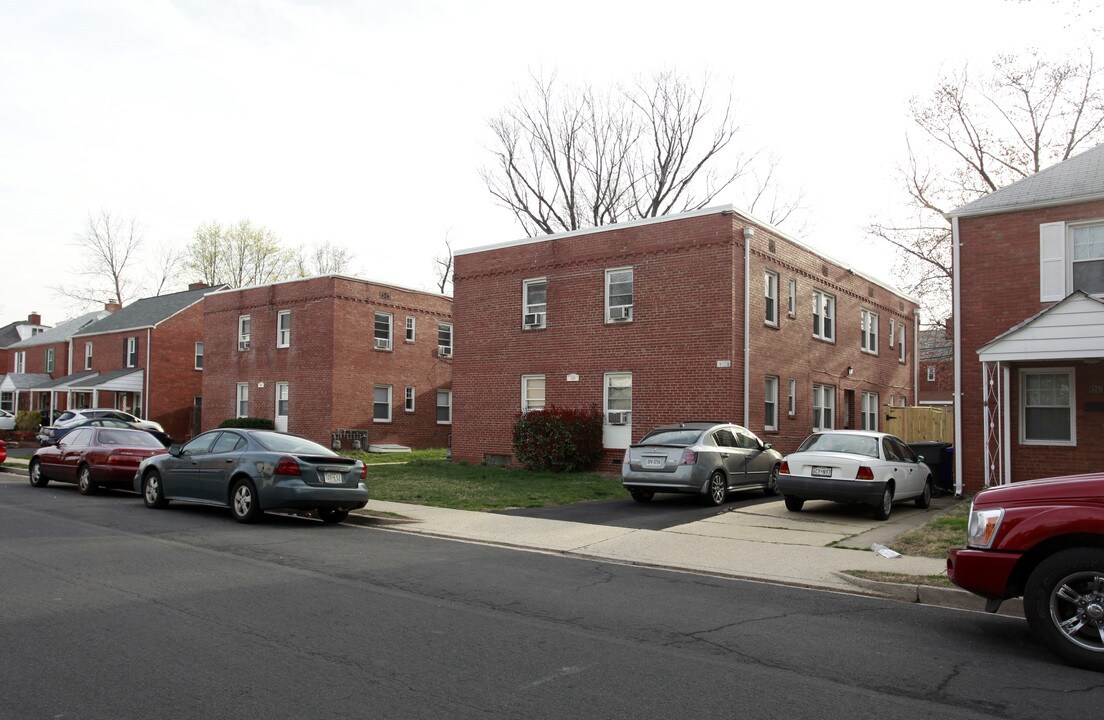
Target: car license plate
<point x="333" y="478"/>
<point x="822" y="472"/>
<point x="654" y="462"/>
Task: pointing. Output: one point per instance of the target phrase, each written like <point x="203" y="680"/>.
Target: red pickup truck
<point x="1043" y="540"/>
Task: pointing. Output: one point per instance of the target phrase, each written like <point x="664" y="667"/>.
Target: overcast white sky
<point x="363" y="122"/>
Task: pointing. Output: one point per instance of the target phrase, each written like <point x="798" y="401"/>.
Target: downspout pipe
<point x="956" y="315"/>
<point x="749" y="233"/>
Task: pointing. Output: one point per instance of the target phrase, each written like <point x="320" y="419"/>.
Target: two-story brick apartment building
<point x="704" y="315"/>
<point x="45" y="360"/>
<point x="1029" y="331"/>
<point x="9" y="335"/>
<point x="936" y="363"/>
<point x="143" y="360"/>
<point x="331" y="353"/>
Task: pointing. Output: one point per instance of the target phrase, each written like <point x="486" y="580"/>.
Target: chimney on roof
<point x="112" y="307"/>
<point x="34" y="318"/>
<point x="198" y="285"/>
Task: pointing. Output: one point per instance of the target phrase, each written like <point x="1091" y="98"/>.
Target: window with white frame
<point x="770" y="297"/>
<point x="409" y="399"/>
<point x="824" y="407"/>
<point x="88" y="356"/>
<point x="1047" y="414"/>
<point x="381" y="332"/>
<point x="21" y="361"/>
<point x="245" y="327"/>
<point x="869" y="332"/>
<point x="824" y="316"/>
<point x="199" y="356"/>
<point x="870" y="411"/>
<point x="892" y="332"/>
<point x="444" y="407"/>
<point x="534" y="303"/>
<point x="770" y="403"/>
<point x="931" y="373"/>
<point x="243" y="400"/>
<point x="901" y="343"/>
<point x="282" y="401"/>
<point x="793" y="298"/>
<point x="7" y="401"/>
<point x="49" y="360"/>
<point x="132" y="352"/>
<point x="793" y="397"/>
<point x="619" y="295"/>
<point x="444" y="340"/>
<point x="411" y="328"/>
<point x="283" y="329"/>
<point x="1087" y="258"/>
<point x="618" y="398"/>
<point x="381" y="403"/>
<point x="532" y="392"/>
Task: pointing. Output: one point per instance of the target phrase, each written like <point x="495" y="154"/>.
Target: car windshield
<point x="671" y="436"/>
<point x="277" y="442"/>
<point x="128" y="438"/>
<point x="853" y="444"/>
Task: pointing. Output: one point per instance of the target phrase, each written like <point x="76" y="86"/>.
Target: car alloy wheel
<point x="153" y="493"/>
<point x="881" y="512"/>
<point x="1064" y="605"/>
<point x="924" y="501"/>
<point x="718" y="488"/>
<point x="37" y="478"/>
<point x="243" y="502"/>
<point x="771" y="488"/>
<point x="84" y="481"/>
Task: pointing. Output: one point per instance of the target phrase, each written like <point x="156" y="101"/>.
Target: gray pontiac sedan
<point x="711" y="459"/>
<point x="251" y="471"/>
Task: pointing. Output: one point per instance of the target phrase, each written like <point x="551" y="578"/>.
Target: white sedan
<point x="7" y="420"/>
<point x="855" y="466"/>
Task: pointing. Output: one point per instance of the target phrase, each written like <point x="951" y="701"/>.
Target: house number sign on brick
<point x="1096" y="388"/>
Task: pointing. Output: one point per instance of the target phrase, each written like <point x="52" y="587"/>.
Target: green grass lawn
<point x="424" y="477"/>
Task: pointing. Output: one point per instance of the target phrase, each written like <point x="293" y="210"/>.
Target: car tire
<point x="883" y="509"/>
<point x="771" y="488"/>
<point x="642" y="496"/>
<point x="37" y="477"/>
<point x="332" y="517"/>
<point x="1065" y="590"/>
<point x="84" y="481"/>
<point x="794" y="504"/>
<point x="717" y="489"/>
<point x="153" y="491"/>
<point x="924" y="501"/>
<point x="244" y="503"/>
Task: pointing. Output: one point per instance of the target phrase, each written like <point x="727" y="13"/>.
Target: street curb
<point x="933" y="595"/>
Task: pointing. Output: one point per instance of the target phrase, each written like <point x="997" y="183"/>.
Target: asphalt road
<point x="111" y="610"/>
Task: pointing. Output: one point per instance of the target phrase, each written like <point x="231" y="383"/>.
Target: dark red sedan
<point x="94" y="457"/>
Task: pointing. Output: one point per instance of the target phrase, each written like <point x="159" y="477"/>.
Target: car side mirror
<point x="174" y="450"/>
<point x="767" y="446"/>
<point x="919" y="458"/>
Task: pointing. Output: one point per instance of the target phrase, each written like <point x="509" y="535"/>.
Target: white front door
<point x="617" y="423"/>
<point x="281" y="420"/>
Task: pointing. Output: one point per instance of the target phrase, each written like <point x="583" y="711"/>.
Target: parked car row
<point x="98" y="417"/>
<point x="249" y="471"/>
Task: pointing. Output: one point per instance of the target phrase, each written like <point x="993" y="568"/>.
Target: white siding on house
<point x="1074" y="328"/>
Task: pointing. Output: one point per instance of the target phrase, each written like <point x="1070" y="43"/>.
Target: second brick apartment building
<point x="706" y="315"/>
<point x="331" y="354"/>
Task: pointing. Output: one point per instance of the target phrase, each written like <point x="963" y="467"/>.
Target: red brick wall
<point x="173" y="380"/>
<point x="36" y="359"/>
<point x="331" y="366"/>
<point x="687" y="315"/>
<point x="994" y="298"/>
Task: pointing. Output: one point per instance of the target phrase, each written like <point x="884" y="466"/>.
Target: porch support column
<point x="994" y="426"/>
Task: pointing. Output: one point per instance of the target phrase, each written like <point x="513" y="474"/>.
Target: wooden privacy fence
<point x="919" y="424"/>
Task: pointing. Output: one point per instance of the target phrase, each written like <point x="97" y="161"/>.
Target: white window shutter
<point x="1052" y="261"/>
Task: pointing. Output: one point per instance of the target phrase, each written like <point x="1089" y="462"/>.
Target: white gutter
<point x="145" y="391"/>
<point x="915" y="357"/>
<point x="956" y="315"/>
<point x="749" y="233"/>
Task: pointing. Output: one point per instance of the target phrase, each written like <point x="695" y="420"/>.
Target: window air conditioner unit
<point x="621" y="313"/>
<point x="383" y="343"/>
<point x="618" y="418"/>
<point x="534" y="320"/>
<point x="243" y="344"/>
<point x="444" y="351"/>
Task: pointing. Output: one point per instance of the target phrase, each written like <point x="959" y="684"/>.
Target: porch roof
<point x="123" y="380"/>
<point x="22" y="381"/>
<point x="1071" y="329"/>
<point x="63" y="383"/>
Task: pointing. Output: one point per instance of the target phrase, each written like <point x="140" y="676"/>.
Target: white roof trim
<point x="1049" y="336"/>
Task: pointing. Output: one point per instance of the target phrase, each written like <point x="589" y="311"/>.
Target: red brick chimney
<point x="112" y="307"/>
<point x="197" y="285"/>
<point x="34" y="318"/>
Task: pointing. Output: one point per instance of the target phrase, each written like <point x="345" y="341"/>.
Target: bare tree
<point x="442" y="266"/>
<point x="576" y="158"/>
<point x="167" y="263"/>
<point x="976" y="136"/>
<point x="109" y="253"/>
<point x="323" y="259"/>
<point x="239" y="255"/>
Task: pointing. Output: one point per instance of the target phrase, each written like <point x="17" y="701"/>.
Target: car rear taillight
<point x="784" y="468"/>
<point x="363" y="471"/>
<point x="689" y="457"/>
<point x="287" y="466"/>
<point x="864" y="473"/>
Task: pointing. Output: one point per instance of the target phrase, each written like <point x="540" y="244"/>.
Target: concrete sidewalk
<point x="761" y="542"/>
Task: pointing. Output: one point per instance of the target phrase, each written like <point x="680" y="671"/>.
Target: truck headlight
<point x="983" y="527"/>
